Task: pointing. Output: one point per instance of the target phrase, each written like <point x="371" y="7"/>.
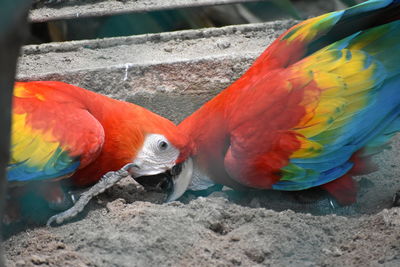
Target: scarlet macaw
<point x="311" y="110"/>
<point x="63" y="131"/>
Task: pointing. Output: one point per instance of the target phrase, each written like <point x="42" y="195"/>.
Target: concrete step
<point x="69" y="9"/>
<point x="152" y="69"/>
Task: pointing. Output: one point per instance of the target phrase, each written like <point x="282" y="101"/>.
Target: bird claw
<point x="333" y="203"/>
<point x="108" y="180"/>
<point x="62" y="216"/>
<point x="396" y="199"/>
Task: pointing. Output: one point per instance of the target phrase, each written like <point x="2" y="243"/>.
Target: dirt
<point x="127" y="227"/>
<point x="209" y="232"/>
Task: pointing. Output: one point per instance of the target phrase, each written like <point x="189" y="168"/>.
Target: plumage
<point x="52" y="134"/>
<point x="312" y="109"/>
<point x="60" y="129"/>
<point x="63" y="131"/>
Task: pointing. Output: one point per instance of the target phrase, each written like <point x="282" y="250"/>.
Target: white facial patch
<point x="157" y="155"/>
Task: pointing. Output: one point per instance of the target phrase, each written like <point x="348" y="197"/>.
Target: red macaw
<point x="63" y="131"/>
<point x="312" y="109"/>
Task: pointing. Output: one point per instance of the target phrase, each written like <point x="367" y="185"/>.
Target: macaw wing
<point x="313" y="34"/>
<point x="52" y="133"/>
<point x="323" y="109"/>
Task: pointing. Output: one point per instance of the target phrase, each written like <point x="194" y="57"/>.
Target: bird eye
<point x="162" y="145"/>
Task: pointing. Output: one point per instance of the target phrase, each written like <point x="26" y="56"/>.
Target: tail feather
<point x="361" y="17"/>
<point x="314" y="34"/>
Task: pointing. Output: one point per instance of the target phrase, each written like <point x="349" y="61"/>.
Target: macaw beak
<point x="173" y="182"/>
<point x="181" y="176"/>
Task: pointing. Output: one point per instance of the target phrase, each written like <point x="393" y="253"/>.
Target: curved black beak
<point x="173" y="182"/>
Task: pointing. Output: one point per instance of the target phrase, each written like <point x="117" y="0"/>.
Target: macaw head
<point x="163" y="159"/>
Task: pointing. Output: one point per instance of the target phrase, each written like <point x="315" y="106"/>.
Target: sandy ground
<point x="210" y="231"/>
<point x="126" y="227"/>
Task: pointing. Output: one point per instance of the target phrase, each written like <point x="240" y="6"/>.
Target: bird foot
<point x="319" y="202"/>
<point x="108" y="180"/>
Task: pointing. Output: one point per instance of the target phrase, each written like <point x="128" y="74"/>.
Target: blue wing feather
<point x="369" y="128"/>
